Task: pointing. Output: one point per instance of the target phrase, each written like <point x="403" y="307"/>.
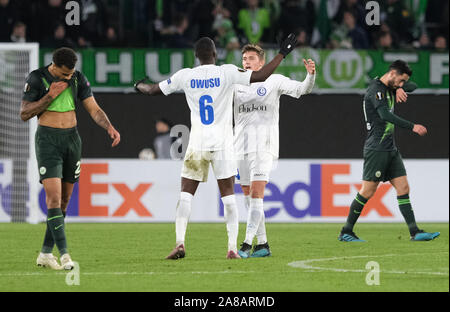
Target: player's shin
<point x="261" y="236"/>
<point x="49" y="243"/>
<point x="55" y="221"/>
<point x="247" y="201"/>
<point x="182" y="217"/>
<point x="404" y="204"/>
<point x="232" y="220"/>
<point x="355" y="211"/>
<point x="256" y="214"/>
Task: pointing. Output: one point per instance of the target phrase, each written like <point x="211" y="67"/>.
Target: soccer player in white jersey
<point x="209" y="94"/>
<point x="256" y="114"/>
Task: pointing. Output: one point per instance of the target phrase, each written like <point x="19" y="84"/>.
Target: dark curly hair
<point x="66" y="57"/>
<point x="401" y="67"/>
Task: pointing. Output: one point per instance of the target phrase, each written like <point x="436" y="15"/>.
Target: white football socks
<point x="232" y="220"/>
<point x="182" y="217"/>
<point x="256" y="213"/>
<point x="261" y="235"/>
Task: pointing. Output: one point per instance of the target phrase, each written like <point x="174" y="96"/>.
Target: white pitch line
<point x="304" y="264"/>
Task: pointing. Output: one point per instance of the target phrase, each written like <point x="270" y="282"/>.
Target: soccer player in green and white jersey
<point x="382" y="160"/>
<point x="50" y="94"/>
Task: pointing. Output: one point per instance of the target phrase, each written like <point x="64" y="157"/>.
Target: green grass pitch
<point x="130" y="257"/>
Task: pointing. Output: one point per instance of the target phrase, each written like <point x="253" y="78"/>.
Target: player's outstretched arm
<point x="147" y="88"/>
<point x="286" y="47"/>
<point x="30" y="109"/>
<point x="100" y="118"/>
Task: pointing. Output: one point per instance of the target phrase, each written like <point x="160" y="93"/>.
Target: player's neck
<point x="384" y="80"/>
<point x="208" y="62"/>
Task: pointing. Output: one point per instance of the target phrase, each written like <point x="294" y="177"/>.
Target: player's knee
<point x="402" y="190"/>
<point x="257" y="192"/>
<point x="53" y="201"/>
<point x="367" y="193"/>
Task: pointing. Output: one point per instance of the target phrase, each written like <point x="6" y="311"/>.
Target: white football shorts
<point x="255" y="167"/>
<point x="196" y="164"/>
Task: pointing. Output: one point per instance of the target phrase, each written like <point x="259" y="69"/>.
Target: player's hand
<point x="288" y="45"/>
<point x="310" y="66"/>
<point x="420" y="130"/>
<point x="56" y="88"/>
<point x="401" y="95"/>
<point x="115" y="135"/>
<point x="136" y="84"/>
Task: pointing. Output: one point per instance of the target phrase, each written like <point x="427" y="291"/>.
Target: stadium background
<point x="120" y="41"/>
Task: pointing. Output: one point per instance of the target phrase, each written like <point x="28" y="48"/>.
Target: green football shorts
<point x="382" y="166"/>
<point x="58" y="153"/>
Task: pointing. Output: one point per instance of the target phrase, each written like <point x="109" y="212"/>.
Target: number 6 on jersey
<point x="206" y="111"/>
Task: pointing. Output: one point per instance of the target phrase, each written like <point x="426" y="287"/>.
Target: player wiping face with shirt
<point x="209" y="93"/>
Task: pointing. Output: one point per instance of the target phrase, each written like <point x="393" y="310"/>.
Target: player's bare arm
<point x="31" y="109"/>
<point x="101" y="119"/>
<point x="147" y="88"/>
<point x="286" y="47"/>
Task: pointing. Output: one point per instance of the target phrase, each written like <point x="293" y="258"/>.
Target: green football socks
<point x="355" y="210"/>
<point x="47" y="247"/>
<point x="408" y="214"/>
<point x="55" y="221"/>
<point x="49" y="243"/>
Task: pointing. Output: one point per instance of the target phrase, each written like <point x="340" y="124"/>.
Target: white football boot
<point x="66" y="262"/>
<point x="48" y="260"/>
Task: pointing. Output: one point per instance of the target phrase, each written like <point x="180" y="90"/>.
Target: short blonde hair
<point x="255" y="48"/>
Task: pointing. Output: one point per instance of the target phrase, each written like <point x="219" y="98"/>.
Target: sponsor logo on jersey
<point x="252" y="108"/>
<point x="169" y="81"/>
<point x="205" y="83"/>
<point x="26" y="88"/>
<point x="261" y="91"/>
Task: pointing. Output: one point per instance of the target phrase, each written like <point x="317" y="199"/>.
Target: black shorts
<point x="382" y="166"/>
<point x="58" y="153"/>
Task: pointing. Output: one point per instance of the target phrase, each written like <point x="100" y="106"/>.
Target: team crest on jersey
<point x="379" y="96"/>
<point x="242" y="70"/>
<point x="169" y="81"/>
<point x="261" y="91"/>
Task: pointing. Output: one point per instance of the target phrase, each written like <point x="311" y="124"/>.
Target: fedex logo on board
<point x="321" y="190"/>
<point x="81" y="203"/>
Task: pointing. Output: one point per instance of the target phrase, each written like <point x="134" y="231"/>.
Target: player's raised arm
<point x="401" y="93"/>
<point x="286" y="47"/>
<point x="101" y="119"/>
<point x="298" y="88"/>
<point x="147" y="88"/>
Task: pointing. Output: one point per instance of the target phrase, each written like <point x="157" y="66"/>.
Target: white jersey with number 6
<point x="209" y="94"/>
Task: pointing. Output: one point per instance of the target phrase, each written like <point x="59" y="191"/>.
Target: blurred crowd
<point x="404" y="24"/>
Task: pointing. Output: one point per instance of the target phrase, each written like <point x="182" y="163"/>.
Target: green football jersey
<point x="380" y="136"/>
<point x="38" y="83"/>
